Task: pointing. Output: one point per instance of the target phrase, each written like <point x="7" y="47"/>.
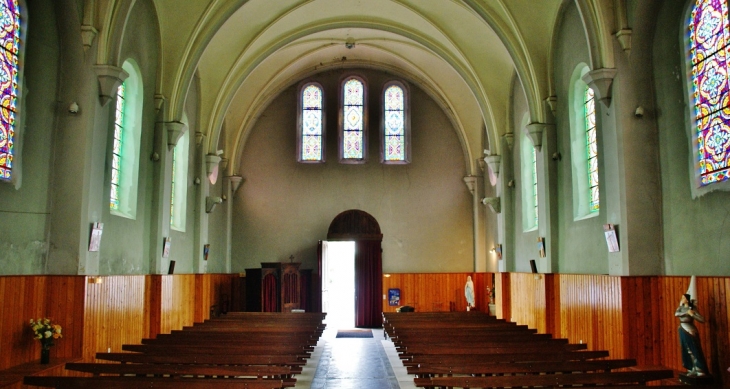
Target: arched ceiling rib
<point x="463" y="52"/>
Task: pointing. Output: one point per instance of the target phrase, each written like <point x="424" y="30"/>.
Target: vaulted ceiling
<point x="464" y="53"/>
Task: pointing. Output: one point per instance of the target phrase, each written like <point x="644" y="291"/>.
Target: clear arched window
<point x="180" y="163"/>
<point x="589" y="109"/>
<point x="126" y="144"/>
<point x="10" y="40"/>
<point x="583" y="146"/>
<point x="528" y="172"/>
<point x="311" y="124"/>
<point x="394" y="137"/>
<point x="709" y="35"/>
<point x="353" y="136"/>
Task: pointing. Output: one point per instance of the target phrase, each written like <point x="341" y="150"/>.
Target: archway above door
<point x="356" y="225"/>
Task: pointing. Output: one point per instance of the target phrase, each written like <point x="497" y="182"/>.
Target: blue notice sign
<point x="394" y="297"/>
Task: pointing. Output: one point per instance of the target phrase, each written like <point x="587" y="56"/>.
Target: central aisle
<point x="357" y="363"/>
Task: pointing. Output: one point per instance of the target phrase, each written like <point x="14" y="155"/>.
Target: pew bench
<point x="479" y="367"/>
<point x="546" y="380"/>
<point x="150" y="382"/>
<point x="13" y="377"/>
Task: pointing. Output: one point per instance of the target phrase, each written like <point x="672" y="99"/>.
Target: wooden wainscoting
<point x="114" y="313"/>
<point x="59" y="298"/>
<point x="631" y="317"/>
<point x="436" y="292"/>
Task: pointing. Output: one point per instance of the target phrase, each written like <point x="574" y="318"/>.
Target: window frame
<point x="129" y="164"/>
<point x="579" y="160"/>
<point x="300" y="122"/>
<point x="341" y="121"/>
<point x="406" y="124"/>
<point x="696" y="187"/>
<point x="528" y="175"/>
<point x="19" y="121"/>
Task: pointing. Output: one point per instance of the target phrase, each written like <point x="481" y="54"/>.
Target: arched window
<point x="583" y="146"/>
<point x="353" y="134"/>
<point x="708" y="41"/>
<point x="395" y="133"/>
<point x="10" y="40"/>
<point x="589" y="109"/>
<point x="178" y="200"/>
<point x="310" y="143"/>
<point x="528" y="172"/>
<point x="126" y="143"/>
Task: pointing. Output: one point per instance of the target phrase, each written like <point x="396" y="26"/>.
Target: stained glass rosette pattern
<point x="709" y="34"/>
<point x="10" y="40"/>
<point x="354" y="93"/>
<point x="394" y="148"/>
<point x="311" y="123"/>
<point x="117" y="150"/>
<point x="591" y="149"/>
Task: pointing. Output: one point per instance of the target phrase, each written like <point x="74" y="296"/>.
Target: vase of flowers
<point x="46" y="332"/>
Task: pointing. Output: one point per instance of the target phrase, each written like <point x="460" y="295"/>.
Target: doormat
<point x="354" y="334"/>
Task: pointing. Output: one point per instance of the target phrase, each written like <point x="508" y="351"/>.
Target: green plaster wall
<point x="581" y="244"/>
<point x="695" y="229"/>
<point x="126" y="242"/>
<point x="424" y="208"/>
<point x="23" y="247"/>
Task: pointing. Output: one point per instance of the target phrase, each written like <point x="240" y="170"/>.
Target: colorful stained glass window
<point x="709" y="34"/>
<point x="534" y="185"/>
<point x="394" y="138"/>
<point x="591" y="149"/>
<point x="352" y="136"/>
<point x="311" y="141"/>
<point x="117" y="149"/>
<point x="10" y="40"/>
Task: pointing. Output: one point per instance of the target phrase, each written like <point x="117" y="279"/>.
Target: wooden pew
<point x="149" y="382"/>
<point x="206" y="359"/>
<point x="546" y="380"/>
<point x="248" y="351"/>
<point x="479" y="367"/>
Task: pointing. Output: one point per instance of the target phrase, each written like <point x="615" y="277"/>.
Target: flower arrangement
<point x="45" y="331"/>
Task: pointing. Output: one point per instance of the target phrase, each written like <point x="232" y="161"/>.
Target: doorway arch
<point x="362" y="228"/>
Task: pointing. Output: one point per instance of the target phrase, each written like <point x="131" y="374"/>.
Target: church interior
<point x="160" y="158"/>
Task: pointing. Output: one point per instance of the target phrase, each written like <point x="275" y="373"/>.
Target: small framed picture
<point x="206" y="251"/>
<point x="95" y="239"/>
<point x="541" y="247"/>
<point x="166" y="247"/>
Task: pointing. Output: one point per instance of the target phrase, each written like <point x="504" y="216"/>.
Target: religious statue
<point x="469" y="293"/>
<point x="689" y="340"/>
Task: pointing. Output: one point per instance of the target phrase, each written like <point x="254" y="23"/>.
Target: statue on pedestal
<point x="469" y="293"/>
<point x="689" y="340"/>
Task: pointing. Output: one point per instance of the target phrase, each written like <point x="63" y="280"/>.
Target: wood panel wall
<point x="590" y="311"/>
<point x="100" y="316"/>
<point x="114" y="314"/>
<point x="59" y="298"/>
<point x="631" y="317"/>
<point x="436" y="292"/>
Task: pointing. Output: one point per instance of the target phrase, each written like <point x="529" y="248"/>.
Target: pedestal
<point x="696" y="380"/>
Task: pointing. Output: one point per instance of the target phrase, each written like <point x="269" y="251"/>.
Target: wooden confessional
<point x="278" y="287"/>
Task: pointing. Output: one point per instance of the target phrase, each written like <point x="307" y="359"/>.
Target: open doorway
<point x="338" y="284"/>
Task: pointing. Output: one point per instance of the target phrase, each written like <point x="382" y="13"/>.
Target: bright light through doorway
<point x="338" y="286"/>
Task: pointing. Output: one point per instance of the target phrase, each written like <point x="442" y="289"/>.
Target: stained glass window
<point x="534" y="184"/>
<point x="311" y="132"/>
<point x="591" y="149"/>
<point x="10" y="40"/>
<point x="709" y="35"/>
<point x="352" y="128"/>
<point x="394" y="142"/>
<point x="117" y="149"/>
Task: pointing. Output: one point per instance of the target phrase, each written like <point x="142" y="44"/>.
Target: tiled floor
<point x="357" y="363"/>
